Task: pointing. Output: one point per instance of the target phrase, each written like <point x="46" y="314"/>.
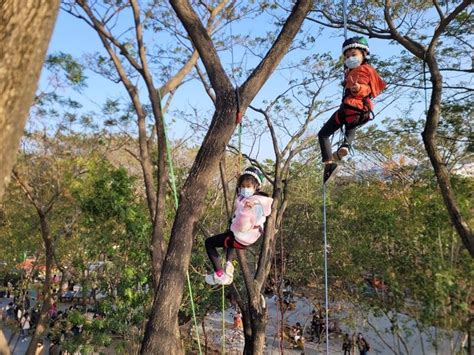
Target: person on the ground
<point x="346" y="344"/>
<point x="361" y="84"/>
<point x="53" y="311"/>
<point x="362" y="344"/>
<point x="19" y="313"/>
<point x="9" y="289"/>
<point x="54" y="347"/>
<point x="238" y="319"/>
<point x="316" y="325"/>
<point x="298" y="331"/>
<point x="35" y="315"/>
<point x="27" y="301"/>
<point x="25" y="325"/>
<point x="252" y="206"/>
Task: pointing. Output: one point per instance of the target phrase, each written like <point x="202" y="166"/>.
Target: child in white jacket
<point x="251" y="210"/>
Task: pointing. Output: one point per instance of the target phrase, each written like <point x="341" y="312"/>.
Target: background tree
<point x="129" y="59"/>
<point x="42" y="175"/>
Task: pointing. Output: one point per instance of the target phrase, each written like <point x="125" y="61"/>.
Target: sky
<point x="74" y="37"/>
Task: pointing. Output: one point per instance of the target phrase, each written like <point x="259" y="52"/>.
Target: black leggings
<point x="224" y="240"/>
<point x="331" y="126"/>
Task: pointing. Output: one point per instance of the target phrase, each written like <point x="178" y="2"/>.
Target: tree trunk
<point x="247" y="324"/>
<point x="256" y="344"/>
<point x="162" y="334"/>
<point x="257" y="308"/>
<point x="25" y="30"/>
<point x="439" y="166"/>
<point x="157" y="241"/>
<point x="47" y="294"/>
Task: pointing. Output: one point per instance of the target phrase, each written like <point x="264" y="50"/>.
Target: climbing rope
<point x="424" y="83"/>
<point x="326" y="285"/>
<point x="223" y="320"/>
<point x="172" y="178"/>
<point x="344" y="12"/>
<point x="326" y="298"/>
<point x="344" y="15"/>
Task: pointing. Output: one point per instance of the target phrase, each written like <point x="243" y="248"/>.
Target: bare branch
<point x="27" y="189"/>
<point x="107" y="36"/>
<point x="414" y="47"/>
<point x="273" y="134"/>
<point x="438" y="9"/>
<point x="219" y="79"/>
<point x="273" y="57"/>
<point x="445" y="21"/>
<point x="206" y="85"/>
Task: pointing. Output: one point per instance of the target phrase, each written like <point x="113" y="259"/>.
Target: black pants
<point x="224" y="240"/>
<point x="329" y="128"/>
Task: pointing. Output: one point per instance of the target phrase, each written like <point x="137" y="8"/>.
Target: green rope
<point x="172" y="178"/>
<point x="223" y="320"/>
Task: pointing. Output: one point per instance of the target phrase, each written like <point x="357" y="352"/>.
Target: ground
<point x="303" y="314"/>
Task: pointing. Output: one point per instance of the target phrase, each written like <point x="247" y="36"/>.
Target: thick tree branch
<point x="438" y="9"/>
<point x="353" y="26"/>
<point x="414" y="47"/>
<point x="273" y="57"/>
<point x="106" y="35"/>
<point x="445" y="21"/>
<point x="203" y="43"/>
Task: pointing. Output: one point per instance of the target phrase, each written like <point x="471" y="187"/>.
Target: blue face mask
<point x="247" y="191"/>
<point x="353" y="62"/>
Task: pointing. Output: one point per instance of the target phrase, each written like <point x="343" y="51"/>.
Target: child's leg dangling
<point x="212" y="243"/>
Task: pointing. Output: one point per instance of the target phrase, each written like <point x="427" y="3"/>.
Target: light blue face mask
<point x="353" y="62"/>
<point x="247" y="191"/>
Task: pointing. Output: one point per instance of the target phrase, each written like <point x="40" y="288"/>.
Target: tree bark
<point x="47" y="295"/>
<point x="256" y="344"/>
<point x="162" y="335"/>
<point x="25" y="31"/>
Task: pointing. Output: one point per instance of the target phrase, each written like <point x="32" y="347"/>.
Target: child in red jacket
<point x="361" y="83"/>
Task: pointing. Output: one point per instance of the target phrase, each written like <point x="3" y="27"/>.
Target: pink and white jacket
<point x="249" y="218"/>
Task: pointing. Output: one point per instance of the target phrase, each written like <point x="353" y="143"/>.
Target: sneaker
<point x="213" y="279"/>
<point x="329" y="169"/>
<point x="341" y="153"/>
<point x="229" y="269"/>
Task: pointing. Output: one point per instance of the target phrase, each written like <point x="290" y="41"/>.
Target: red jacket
<point x="371" y="85"/>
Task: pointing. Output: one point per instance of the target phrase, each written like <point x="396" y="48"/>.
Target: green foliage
<point x="73" y="70"/>
<point x="115" y="231"/>
<point x="390" y="231"/>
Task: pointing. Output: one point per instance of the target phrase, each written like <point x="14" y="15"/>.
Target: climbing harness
<point x="172" y="178"/>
